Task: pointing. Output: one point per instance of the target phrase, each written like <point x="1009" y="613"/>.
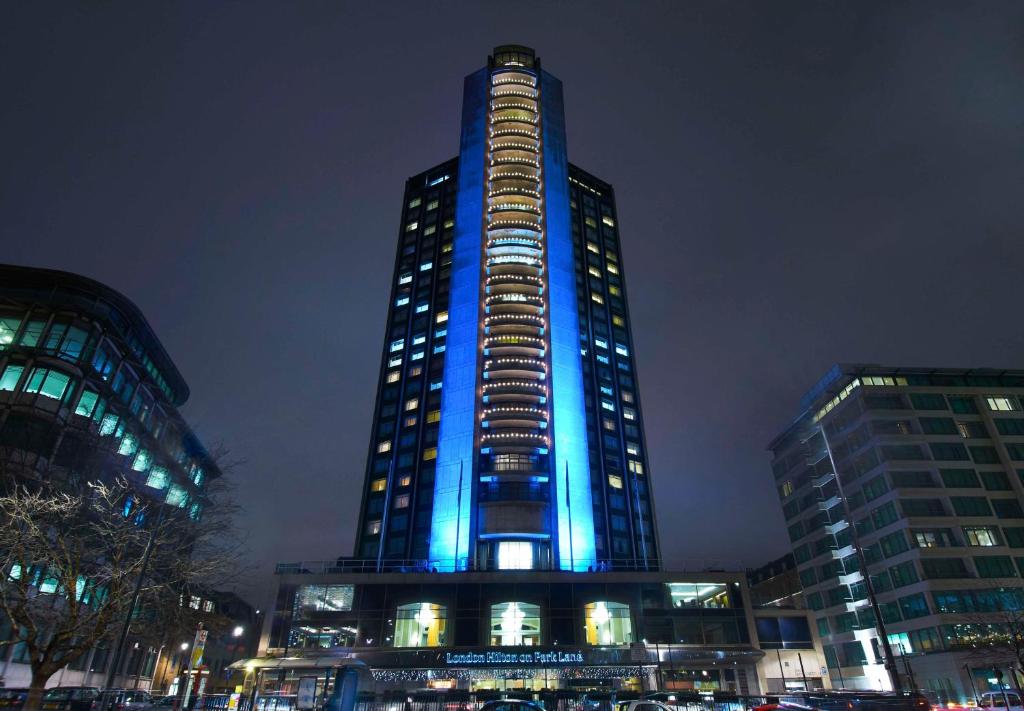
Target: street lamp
<point x="184" y="646"/>
<point x="238" y="631"/>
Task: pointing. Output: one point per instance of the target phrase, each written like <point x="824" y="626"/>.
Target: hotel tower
<point x="507" y="431"/>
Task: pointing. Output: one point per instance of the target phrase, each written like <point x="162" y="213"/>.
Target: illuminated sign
<point x="537" y="658"/>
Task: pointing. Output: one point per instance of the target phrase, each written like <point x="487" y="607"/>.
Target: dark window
<point x="944" y="568"/>
<point x="1007" y="508"/>
<point x="928" y="401"/>
<point x="960" y="478"/>
<point x="970" y="505"/>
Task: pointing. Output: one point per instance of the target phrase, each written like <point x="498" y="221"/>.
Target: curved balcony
<point x="514" y="131"/>
<point x="513" y="103"/>
<point x="514" y="367"/>
<point x="513" y="438"/>
<point x="513" y="344"/>
<point x="497" y="174"/>
<point x="504" y="78"/>
<point x="515" y="143"/>
<point x="505" y="416"/>
<point x="516" y="90"/>
<point x="518" y="116"/>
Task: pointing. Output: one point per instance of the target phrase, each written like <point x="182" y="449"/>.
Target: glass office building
<point x="918" y="472"/>
<point x="507" y="431"/>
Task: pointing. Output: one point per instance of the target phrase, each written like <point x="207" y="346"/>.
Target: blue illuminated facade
<point x="507" y="431"/>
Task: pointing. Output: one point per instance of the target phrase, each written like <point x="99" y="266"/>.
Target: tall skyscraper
<point x="507" y="431"/>
<point x="906" y="484"/>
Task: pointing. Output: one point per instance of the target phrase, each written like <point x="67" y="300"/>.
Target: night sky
<point x="798" y="184"/>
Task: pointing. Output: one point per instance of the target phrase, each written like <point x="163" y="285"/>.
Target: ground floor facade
<point x="529" y="632"/>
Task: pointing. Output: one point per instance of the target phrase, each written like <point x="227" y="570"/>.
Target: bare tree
<point x="73" y="562"/>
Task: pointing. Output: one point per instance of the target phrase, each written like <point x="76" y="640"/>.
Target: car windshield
<point x="56" y="695"/>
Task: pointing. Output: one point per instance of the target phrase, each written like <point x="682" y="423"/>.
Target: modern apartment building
<point x="920" y="471"/>
<point x="507" y="431"/>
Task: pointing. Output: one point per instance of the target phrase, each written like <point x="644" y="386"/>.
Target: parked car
<point x="597" y="701"/>
<point x="70" y="698"/>
<point x="642" y="705"/>
<point x="129" y="700"/>
<point x="823" y="700"/>
<point x="996" y="700"/>
<point x="12" y="699"/>
<point x="511" y="705"/>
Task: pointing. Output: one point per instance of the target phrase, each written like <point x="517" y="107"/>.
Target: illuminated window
<point x="627" y="396"/>
<point x="515" y="624"/>
<point x="394" y="376"/>
<point x="432" y="205"/>
<point x="397" y="345"/>
<point x="416" y="340"/>
<point x="415" y="202"/>
<point x="608" y="623"/>
<point x="593" y="248"/>
<point x="426" y="265"/>
<point x="982" y="536"/>
<point x="86" y="403"/>
<point x="378" y="484"/>
<point x="632" y="448"/>
<point x="636" y="467"/>
<point x="48" y="383"/>
<point x="409" y="421"/>
<point x="515" y="555"/>
<point x="384" y="446"/>
<point x="607" y="405"/>
<point x="405" y="480"/>
<point x="614" y="290"/>
<point x="393" y="361"/>
<point x="420" y="308"/>
<point x="418" y="355"/>
<point x="608" y="221"/>
<point x="1001" y="404"/>
<point x="436" y="385"/>
<point x="128" y="445"/>
<point x="594" y="271"/>
<point x="429" y="230"/>
<point x="373" y="528"/>
<point x="411" y="226"/>
<point x="618" y="320"/>
<point x="158" y="478"/>
<point x="787" y="488"/>
<point x="628" y="413"/>
<point x="429" y="453"/>
<point x="590" y="221"/>
<point x="433" y="416"/>
<point x="11" y="376"/>
<point x="405" y="278"/>
<point x="402" y="501"/>
<point x="441" y="317"/>
<point x="412" y="403"/>
<point x="415" y="370"/>
<point x="621" y="350"/>
<point x="612" y="269"/>
<point x="608" y="423"/>
<point x="323" y="598"/>
<point x="421" y="624"/>
<point x="142" y="461"/>
<point x="715" y="595"/>
<point x="596" y="298"/>
<point x="600" y="343"/>
<point x="614" y="481"/>
<point x="401" y="301"/>
<point x="448" y="224"/>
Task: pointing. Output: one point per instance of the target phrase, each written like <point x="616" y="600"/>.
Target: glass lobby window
<point x="515" y="555"/>
<point x="608" y="623"/>
<point x="699" y="594"/>
<point x="323" y="598"/>
<point x="515" y="624"/>
<point x="421" y="624"/>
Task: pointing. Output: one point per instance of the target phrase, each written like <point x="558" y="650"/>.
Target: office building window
<point x="982" y="536"/>
<point x="1001" y="404"/>
<point x="48" y="383"/>
<point x="378" y="484"/>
